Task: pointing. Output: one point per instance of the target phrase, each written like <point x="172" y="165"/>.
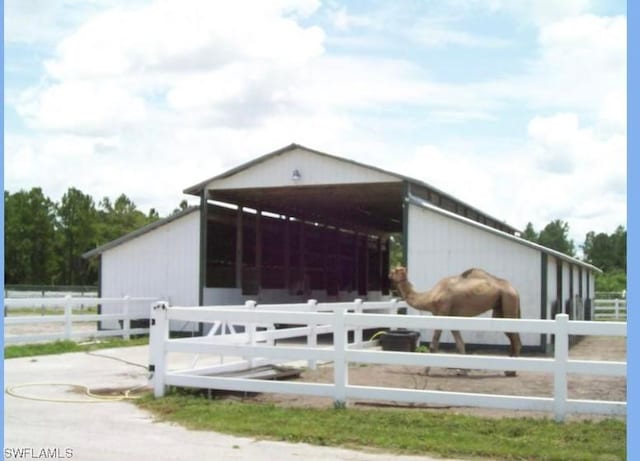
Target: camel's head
<point x="399" y="274"/>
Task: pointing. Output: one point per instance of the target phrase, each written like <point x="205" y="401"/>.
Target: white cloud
<point x="613" y="111"/>
<point x="179" y="36"/>
<point x="38" y="22"/>
<point x="469" y="175"/>
<point x="591" y="191"/>
<point x="555" y="139"/>
<point x="83" y="107"/>
<point x="582" y="62"/>
<point x="186" y="89"/>
<point x="562" y="171"/>
<point x="200" y="55"/>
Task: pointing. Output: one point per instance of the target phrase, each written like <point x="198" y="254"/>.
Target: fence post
<point x="560" y="367"/>
<point x="340" y="376"/>
<point x="312" y="336"/>
<point x="617" y="308"/>
<point x="126" y="325"/>
<point x="393" y="310"/>
<point x="68" y="312"/>
<point x="158" y="336"/>
<point x="251" y="333"/>
<point x="357" y="332"/>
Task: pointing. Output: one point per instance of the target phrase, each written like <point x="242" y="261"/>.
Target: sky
<point x="516" y="108"/>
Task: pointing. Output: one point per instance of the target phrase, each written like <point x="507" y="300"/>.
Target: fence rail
<point x="610" y="309"/>
<point x="256" y="346"/>
<point x="49" y="291"/>
<point x="63" y="323"/>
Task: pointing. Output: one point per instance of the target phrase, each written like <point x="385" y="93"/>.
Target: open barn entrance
<point x="290" y="244"/>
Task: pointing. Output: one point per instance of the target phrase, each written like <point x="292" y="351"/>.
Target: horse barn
<point x="298" y="224"/>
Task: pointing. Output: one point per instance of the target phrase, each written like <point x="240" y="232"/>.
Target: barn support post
<point x="158" y="336"/>
<point x="258" y="250"/>
<point x="356" y="262"/>
<point x="287" y="254"/>
<point x="239" y="246"/>
<point x="301" y="257"/>
<point x="560" y="367"/>
<point x="340" y="366"/>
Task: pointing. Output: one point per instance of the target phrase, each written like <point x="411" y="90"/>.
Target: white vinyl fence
<point x="256" y="346"/>
<point x="610" y="309"/>
<point x="66" y="324"/>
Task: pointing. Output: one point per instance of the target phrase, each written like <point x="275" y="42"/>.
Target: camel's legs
<point x="514" y="349"/>
<point x="435" y="344"/>
<point x="516" y="344"/>
<point x="461" y="349"/>
<point x="435" y="341"/>
<point x="459" y="342"/>
<point x="433" y="347"/>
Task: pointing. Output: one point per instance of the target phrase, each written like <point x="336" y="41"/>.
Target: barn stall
<point x="300" y="224"/>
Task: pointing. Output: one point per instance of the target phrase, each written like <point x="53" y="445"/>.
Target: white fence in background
<point x="63" y="323"/>
<point x="44" y="293"/>
<point x="256" y="346"/>
<point x="610" y="309"/>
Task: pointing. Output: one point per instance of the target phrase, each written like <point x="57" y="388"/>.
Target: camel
<point x="466" y="295"/>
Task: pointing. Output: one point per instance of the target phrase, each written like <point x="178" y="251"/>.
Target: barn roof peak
<point x="227" y="178"/>
<point x="197" y="188"/>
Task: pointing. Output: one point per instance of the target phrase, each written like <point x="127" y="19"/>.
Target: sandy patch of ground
<point x="477" y="381"/>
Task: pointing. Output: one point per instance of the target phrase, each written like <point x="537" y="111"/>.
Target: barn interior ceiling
<point x="376" y="207"/>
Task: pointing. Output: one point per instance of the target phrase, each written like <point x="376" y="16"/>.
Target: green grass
<point x="407" y="431"/>
<point x="27" y="311"/>
<point x="61" y="347"/>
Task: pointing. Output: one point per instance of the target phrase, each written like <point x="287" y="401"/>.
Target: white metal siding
<point x="162" y="263"/>
<point x="314" y="169"/>
<point x="440" y="246"/>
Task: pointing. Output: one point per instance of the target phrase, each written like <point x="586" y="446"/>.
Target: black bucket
<point x="400" y="340"/>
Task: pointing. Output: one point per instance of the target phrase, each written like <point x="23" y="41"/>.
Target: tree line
<point x="45" y="240"/>
<point x="606" y="251"/>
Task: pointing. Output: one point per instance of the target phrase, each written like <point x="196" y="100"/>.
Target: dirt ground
<point x="49" y="328"/>
<point x="476" y="381"/>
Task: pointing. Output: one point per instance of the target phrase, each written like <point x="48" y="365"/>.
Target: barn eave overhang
<point x="372" y="207"/>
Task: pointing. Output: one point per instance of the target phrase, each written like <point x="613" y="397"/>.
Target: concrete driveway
<point x="109" y="431"/>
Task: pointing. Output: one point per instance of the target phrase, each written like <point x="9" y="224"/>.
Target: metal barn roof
<point x="138" y="232"/>
<point x="306" y="182"/>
